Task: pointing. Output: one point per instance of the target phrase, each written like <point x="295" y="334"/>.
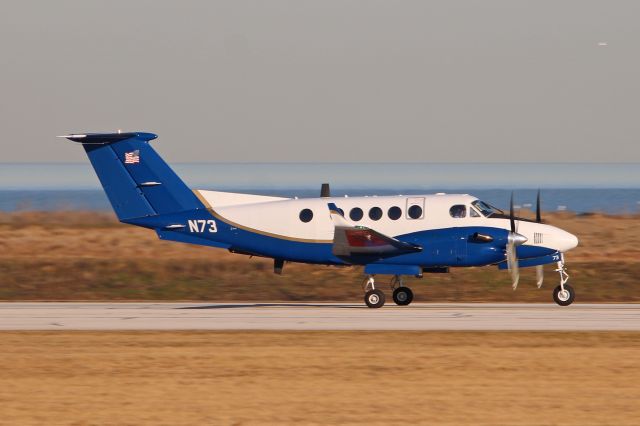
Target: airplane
<point x="388" y="235"/>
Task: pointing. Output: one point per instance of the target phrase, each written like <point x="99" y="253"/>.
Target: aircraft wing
<point x="350" y="240"/>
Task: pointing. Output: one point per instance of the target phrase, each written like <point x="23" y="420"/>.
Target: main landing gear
<point x="402" y="295"/>
<point x="375" y="298"/>
<point x="563" y="294"/>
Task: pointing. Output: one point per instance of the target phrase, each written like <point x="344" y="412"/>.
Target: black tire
<point x="374" y="298"/>
<point x="564" y="301"/>
<point x="402" y="296"/>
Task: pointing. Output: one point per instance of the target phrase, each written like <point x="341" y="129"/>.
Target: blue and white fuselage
<point x="396" y="235"/>
<point x="273" y="227"/>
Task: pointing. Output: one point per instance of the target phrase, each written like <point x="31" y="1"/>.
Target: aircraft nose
<point x="568" y="241"/>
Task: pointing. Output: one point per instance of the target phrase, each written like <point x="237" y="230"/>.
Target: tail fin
<point x="136" y="179"/>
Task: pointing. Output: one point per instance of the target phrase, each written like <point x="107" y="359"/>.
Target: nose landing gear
<point x="564" y="294"/>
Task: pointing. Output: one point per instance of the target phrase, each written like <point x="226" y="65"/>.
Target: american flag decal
<point x="132" y="157"/>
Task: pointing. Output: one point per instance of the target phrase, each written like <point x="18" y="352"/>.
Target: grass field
<point x="89" y="256"/>
<point x="242" y="378"/>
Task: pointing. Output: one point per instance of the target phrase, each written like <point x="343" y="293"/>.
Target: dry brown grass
<point x="90" y="234"/>
<point x="319" y="378"/>
<point x="89" y="256"/>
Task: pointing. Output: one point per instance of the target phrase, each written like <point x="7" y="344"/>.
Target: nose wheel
<point x="564" y="294"/>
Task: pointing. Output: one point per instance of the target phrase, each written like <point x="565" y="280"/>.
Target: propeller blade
<point x="512" y="265"/>
<point x="539" y="275"/>
<point x="512" y="220"/>
<point x="539" y="268"/>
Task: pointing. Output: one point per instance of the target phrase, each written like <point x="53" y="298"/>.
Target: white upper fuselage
<point x="280" y="217"/>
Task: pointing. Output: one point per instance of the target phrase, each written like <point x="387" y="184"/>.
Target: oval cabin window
<point x="356" y="214"/>
<point x="458" y="211"/>
<point x="394" y="213"/>
<point x="375" y="213"/>
<point x="415" y="212"/>
<point x="306" y="215"/>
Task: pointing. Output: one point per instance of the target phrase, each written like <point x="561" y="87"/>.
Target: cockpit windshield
<point x="486" y="209"/>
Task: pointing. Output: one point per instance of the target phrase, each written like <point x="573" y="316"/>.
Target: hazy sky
<point x="324" y="80"/>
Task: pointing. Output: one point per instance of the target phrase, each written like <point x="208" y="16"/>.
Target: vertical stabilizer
<point x="137" y="181"/>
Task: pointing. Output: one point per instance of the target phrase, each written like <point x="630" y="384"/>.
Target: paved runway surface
<point x="315" y="316"/>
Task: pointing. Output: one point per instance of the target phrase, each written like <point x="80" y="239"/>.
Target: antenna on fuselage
<point x="325" y="191"/>
<point x="278" y="266"/>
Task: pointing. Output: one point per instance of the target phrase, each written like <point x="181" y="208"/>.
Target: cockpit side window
<point x="486" y="209"/>
<point x="473" y="212"/>
<point x="458" y="211"/>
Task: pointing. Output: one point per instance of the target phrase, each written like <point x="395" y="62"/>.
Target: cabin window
<point x="394" y="213"/>
<point x="356" y="214"/>
<point x="375" y="213"/>
<point x="306" y="215"/>
<point x="473" y="212"/>
<point x="415" y="212"/>
<point x="458" y="211"/>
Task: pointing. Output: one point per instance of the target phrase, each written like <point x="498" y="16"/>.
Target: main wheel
<point x="402" y="296"/>
<point x="566" y="297"/>
<point x="374" y="298"/>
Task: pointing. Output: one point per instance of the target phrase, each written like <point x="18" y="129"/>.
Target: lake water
<point x="610" y="188"/>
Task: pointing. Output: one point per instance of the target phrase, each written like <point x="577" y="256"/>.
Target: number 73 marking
<point x="200" y="225"/>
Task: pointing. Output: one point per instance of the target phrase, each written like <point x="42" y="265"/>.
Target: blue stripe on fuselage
<point x="441" y="247"/>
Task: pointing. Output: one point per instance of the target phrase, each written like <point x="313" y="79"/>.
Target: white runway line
<point x="316" y="316"/>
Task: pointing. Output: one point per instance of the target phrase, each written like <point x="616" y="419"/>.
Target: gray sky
<point x="325" y="80"/>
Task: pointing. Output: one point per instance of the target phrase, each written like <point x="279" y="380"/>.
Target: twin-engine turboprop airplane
<point x="396" y="235"/>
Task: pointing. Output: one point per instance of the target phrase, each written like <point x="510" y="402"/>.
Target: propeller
<point x="539" y="268"/>
<point x="513" y="240"/>
<point x="512" y="264"/>
<point x="538" y="213"/>
<point x="539" y="275"/>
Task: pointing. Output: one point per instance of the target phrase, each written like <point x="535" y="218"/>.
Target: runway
<point x="316" y="316"/>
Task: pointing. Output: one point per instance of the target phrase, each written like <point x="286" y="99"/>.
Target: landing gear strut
<point x="373" y="297"/>
<point x="563" y="294"/>
<point x="402" y="295"/>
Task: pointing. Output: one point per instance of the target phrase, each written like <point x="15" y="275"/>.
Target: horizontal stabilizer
<point x="106" y="138"/>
